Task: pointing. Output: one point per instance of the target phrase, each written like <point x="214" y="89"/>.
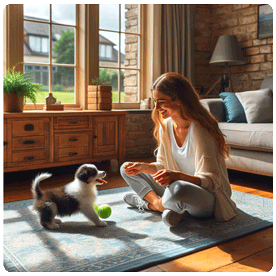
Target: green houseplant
<point x="17" y="88"/>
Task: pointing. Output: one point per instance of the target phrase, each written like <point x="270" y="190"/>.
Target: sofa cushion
<point x="234" y="110"/>
<point x="258" y="105"/>
<point x="257" y="137"/>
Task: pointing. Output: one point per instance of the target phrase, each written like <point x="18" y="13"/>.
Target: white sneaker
<point x="171" y="218"/>
<point x="135" y="201"/>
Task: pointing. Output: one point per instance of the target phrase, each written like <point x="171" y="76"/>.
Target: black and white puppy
<point x="77" y="196"/>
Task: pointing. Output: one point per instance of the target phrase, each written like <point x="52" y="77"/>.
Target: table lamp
<point x="227" y="52"/>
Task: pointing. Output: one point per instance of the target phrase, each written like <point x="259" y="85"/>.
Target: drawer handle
<point x="72" y="153"/>
<point x="74" y="122"/>
<point x="28" y="142"/>
<point x="5" y="143"/>
<point x="29" y="127"/>
<point x="73" y="139"/>
<point x="29" y="158"/>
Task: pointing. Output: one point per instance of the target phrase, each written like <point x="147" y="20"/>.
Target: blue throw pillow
<point x="233" y="108"/>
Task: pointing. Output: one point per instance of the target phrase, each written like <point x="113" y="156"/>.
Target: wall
<point x="203" y="45"/>
<point x="131" y="53"/>
<point x="139" y="138"/>
<point x="241" y="20"/>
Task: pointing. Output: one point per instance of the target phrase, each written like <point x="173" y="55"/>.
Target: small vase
<point x="13" y="103"/>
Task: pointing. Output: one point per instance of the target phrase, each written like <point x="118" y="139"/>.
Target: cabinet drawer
<point x="71" y="122"/>
<point x="29" y="156"/>
<point x="72" y="153"/>
<point x="32" y="127"/>
<point x="72" y="140"/>
<point x="32" y="142"/>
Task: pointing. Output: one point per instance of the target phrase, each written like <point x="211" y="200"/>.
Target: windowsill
<point x="68" y="109"/>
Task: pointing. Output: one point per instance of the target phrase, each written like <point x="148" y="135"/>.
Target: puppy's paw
<point x="57" y="221"/>
<point x="101" y="224"/>
<point x="51" y="226"/>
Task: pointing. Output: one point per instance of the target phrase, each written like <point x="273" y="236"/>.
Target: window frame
<point x="87" y="54"/>
<point x="51" y="64"/>
<point x="140" y="34"/>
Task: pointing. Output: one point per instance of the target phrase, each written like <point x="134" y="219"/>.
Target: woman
<point x="189" y="175"/>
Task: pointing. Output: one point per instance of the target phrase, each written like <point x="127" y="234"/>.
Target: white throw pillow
<point x="258" y="105"/>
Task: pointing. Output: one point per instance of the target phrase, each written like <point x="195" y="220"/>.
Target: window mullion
<point x="50" y="52"/>
<point x="119" y="57"/>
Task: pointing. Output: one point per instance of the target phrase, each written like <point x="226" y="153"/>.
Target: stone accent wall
<point x="241" y="20"/>
<point x="139" y="137"/>
<point x="131" y="53"/>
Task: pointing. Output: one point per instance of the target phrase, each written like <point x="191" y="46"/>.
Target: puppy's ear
<point x="84" y="173"/>
<point x="81" y="174"/>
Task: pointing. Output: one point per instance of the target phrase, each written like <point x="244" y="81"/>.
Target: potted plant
<point x="17" y="88"/>
<point x="99" y="95"/>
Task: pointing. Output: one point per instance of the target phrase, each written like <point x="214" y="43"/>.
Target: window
<point x="117" y="54"/>
<point x="105" y="51"/>
<point x="119" y="46"/>
<point x="39" y="44"/>
<point x="50" y="49"/>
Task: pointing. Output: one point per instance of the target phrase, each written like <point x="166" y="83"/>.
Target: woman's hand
<point x="133" y="168"/>
<point x="166" y="177"/>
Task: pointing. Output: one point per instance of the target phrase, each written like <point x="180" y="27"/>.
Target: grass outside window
<point x="68" y="97"/>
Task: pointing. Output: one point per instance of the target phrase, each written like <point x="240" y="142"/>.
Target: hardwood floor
<point x="251" y="253"/>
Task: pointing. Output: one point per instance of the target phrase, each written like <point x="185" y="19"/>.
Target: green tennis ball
<point x="104" y="211"/>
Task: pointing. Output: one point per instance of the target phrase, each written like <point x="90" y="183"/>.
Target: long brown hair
<point x="179" y="88"/>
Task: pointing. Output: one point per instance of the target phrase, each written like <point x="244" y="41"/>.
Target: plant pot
<point x="13" y="103"/>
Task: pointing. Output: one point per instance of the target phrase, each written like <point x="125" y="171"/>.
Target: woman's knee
<point x="173" y="192"/>
<point x="180" y="189"/>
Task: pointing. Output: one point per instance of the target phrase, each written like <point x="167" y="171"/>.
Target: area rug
<point x="131" y="241"/>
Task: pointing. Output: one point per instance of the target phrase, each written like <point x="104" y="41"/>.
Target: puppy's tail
<point x="37" y="193"/>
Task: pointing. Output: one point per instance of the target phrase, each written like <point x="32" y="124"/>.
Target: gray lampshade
<point x="228" y="51"/>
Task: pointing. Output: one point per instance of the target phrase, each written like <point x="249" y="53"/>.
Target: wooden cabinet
<point x="105" y="135"/>
<point x="35" y="140"/>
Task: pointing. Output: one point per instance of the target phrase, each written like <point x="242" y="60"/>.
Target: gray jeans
<point x="179" y="196"/>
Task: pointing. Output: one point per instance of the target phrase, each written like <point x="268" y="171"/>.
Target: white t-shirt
<point x="184" y="155"/>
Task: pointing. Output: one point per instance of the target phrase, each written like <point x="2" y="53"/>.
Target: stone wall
<point x="139" y="134"/>
<point x="212" y="21"/>
<point x="203" y="46"/>
<point x="131" y="53"/>
<point x="241" y="20"/>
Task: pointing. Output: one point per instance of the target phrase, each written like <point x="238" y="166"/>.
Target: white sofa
<point x="251" y="143"/>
